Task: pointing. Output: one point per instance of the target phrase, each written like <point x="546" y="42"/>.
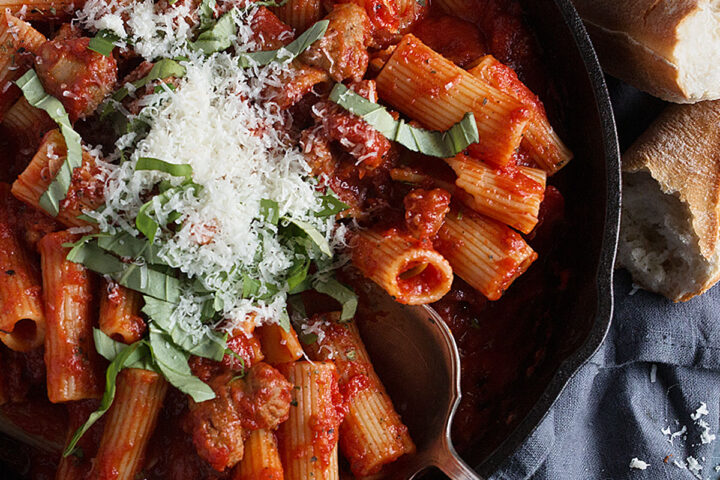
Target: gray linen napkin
<point x="659" y="364"/>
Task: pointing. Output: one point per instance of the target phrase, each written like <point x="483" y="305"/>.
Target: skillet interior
<point x="591" y="186"/>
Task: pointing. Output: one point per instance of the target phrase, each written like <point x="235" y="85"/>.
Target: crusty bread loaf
<point x="668" y="48"/>
<point x="671" y="203"/>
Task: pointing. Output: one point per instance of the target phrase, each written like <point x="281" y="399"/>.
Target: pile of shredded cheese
<point x="240" y="151"/>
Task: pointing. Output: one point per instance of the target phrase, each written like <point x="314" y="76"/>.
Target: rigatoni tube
<point x="299" y="14"/>
<point x="485" y="253"/>
<point x="511" y="196"/>
<point x="540" y="140"/>
<point x="279" y="345"/>
<point x="130" y="424"/>
<point x="262" y="458"/>
<point x="74" y="371"/>
<point x="16" y="36"/>
<point x="22" y="323"/>
<point x="431" y="89"/>
<point x="86" y="190"/>
<point x="372" y="433"/>
<point x="410" y="271"/>
<point x="120" y="313"/>
<point x="308" y="439"/>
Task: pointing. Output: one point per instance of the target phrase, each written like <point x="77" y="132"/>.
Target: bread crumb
<point x="638" y="464"/>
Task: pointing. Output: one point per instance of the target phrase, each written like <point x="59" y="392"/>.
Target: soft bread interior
<point x="698" y="52"/>
<point x="657" y="242"/>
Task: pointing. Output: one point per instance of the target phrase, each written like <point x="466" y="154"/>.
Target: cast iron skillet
<point x="591" y="186"/>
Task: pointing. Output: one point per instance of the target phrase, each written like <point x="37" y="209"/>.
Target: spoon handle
<point x="455" y="468"/>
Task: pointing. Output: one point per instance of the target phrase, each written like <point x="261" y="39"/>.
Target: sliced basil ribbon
<point x="289" y="52"/>
<point x="103" y="42"/>
<point x="36" y="96"/>
<point x="429" y="142"/>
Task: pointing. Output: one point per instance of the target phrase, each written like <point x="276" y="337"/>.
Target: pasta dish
<point x="195" y="192"/>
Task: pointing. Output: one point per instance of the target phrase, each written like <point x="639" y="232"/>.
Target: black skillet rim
<point x="606" y="261"/>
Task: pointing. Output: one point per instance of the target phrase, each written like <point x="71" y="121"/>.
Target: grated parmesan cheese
<point x="238" y="145"/>
<point x="638" y="464"/>
<point x="700" y="412"/>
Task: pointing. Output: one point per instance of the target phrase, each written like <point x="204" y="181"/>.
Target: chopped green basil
<point x="331" y="205"/>
<point x="433" y="143"/>
<point x="217" y="37"/>
<point x="110" y="376"/>
<point x="270" y="211"/>
<point x="211" y="345"/>
<point x="346" y="297"/>
<point x="33" y="90"/>
<point x="174" y="169"/>
<point x="313" y="234"/>
<point x="289" y="52"/>
<point x="173" y="363"/>
<point x="103" y="42"/>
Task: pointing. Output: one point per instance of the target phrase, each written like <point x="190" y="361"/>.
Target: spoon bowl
<point x="415" y="355"/>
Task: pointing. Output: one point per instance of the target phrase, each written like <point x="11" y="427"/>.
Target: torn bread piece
<point x="671" y="203"/>
<point x="668" y="48"/>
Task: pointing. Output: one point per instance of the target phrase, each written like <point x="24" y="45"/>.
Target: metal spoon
<point x="417" y="359"/>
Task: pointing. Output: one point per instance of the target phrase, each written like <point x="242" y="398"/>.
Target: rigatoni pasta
<point x="22" y="323"/>
<point x="512" y="197"/>
<point x="412" y="273"/>
<point x="120" y="313"/>
<point x="540" y="140"/>
<point x="130" y="423"/>
<point x="308" y="439"/>
<point x="261" y="460"/>
<point x="485" y="253"/>
<point x="31" y="184"/>
<point x="300" y="14"/>
<point x="371" y="434"/>
<point x="73" y="368"/>
<point x="426" y="86"/>
<point x="26" y="123"/>
<point x="17" y="40"/>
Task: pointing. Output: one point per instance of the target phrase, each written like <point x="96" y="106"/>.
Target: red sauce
<point x="457" y="40"/>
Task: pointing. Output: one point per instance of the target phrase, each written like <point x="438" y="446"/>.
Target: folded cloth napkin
<point x="651" y="393"/>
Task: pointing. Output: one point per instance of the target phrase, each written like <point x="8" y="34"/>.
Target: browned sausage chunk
<point x="342" y="52"/>
<point x="78" y="77"/>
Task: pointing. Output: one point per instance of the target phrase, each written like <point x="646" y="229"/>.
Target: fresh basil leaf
<point x="270" y="211"/>
<point x="433" y="143"/>
<point x="206" y="13"/>
<point x="103" y="42"/>
<point x="151" y="282"/>
<point x="35" y="94"/>
<point x="289" y="52"/>
<point x="211" y="345"/>
<point x="346" y="297"/>
<point x="110" y="349"/>
<point x="161" y="70"/>
<point x="251" y="286"/>
<point x="125" y="245"/>
<point x="173" y="363"/>
<point x="174" y="169"/>
<point x="331" y="205"/>
<point x="87" y="253"/>
<point x="313" y="234"/>
<point x="217" y="37"/>
<point x="298" y="274"/>
<point x="270" y="3"/>
<point x="108" y="396"/>
<point x="284" y="321"/>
